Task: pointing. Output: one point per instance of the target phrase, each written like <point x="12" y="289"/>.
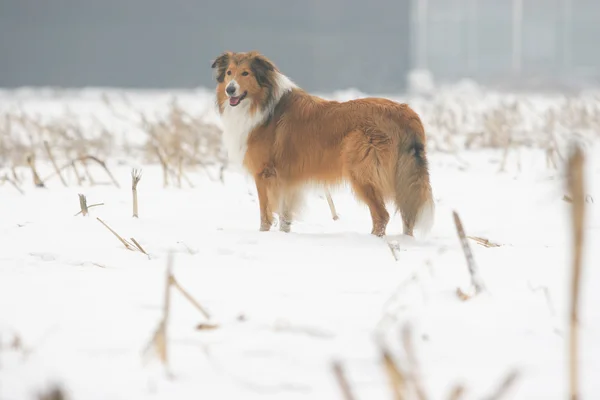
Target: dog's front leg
<point x="266" y="217"/>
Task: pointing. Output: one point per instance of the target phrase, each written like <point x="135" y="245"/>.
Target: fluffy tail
<point x="414" y="198"/>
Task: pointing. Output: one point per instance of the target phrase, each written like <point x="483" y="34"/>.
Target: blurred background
<point x="323" y="45"/>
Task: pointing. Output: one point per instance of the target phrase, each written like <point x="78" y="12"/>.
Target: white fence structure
<point x="543" y="42"/>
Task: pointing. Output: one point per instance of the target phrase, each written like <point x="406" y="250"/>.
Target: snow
<point x="83" y="307"/>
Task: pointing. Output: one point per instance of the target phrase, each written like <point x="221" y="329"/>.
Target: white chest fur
<point x="238" y="122"/>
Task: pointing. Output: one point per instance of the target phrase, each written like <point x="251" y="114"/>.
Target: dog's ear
<point x="221" y="63"/>
<point x="261" y="68"/>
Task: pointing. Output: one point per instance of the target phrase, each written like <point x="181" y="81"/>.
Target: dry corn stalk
<point x="206" y="326"/>
<point x="394" y="247"/>
<point x="179" y="169"/>
<point x="342" y="381"/>
<point x="53" y="393"/>
<point x="83" y="159"/>
<point x="127" y="245"/>
<point x="103" y="165"/>
<point x="164" y="165"/>
<point x="136" y="176"/>
<point x="15" y="175"/>
<point x="86" y="169"/>
<point x="159" y="340"/>
<point x="483" y="241"/>
<point x="83" y="205"/>
<point x="54" y="164"/>
<point x="77" y="175"/>
<point x="189" y="297"/>
<point x="396" y="378"/>
<point x="506" y="384"/>
<point x="575" y="182"/>
<point x="84" y="208"/>
<point x="476" y="281"/>
<point x="222" y="173"/>
<point x="13" y="182"/>
<point x="139" y="246"/>
<point x="412" y="360"/>
<point x="457" y="392"/>
<point x="334" y="214"/>
<point x="36" y="177"/>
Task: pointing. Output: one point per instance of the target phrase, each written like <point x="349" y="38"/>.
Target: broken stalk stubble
<point x="136" y="176"/>
<point x="476" y="280"/>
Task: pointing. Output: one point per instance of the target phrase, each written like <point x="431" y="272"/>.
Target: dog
<point x="289" y="140"/>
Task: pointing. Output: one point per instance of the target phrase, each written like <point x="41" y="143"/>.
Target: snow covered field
<point x="77" y="308"/>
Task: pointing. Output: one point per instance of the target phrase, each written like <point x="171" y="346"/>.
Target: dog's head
<point x="243" y="77"/>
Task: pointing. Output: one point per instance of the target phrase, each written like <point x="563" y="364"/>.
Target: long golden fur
<point x="288" y="140"/>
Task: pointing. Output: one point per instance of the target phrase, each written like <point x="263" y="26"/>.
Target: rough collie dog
<point x="289" y="140"/>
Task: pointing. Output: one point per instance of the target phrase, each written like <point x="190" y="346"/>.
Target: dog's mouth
<point x="234" y="101"/>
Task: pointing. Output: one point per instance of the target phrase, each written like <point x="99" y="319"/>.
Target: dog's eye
<point x="228" y="72"/>
<point x="245" y="73"/>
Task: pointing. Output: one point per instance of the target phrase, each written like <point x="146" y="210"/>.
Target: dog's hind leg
<point x="365" y="157"/>
<point x="369" y="194"/>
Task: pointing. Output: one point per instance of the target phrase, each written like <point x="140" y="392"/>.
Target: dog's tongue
<point x="234" y="101"/>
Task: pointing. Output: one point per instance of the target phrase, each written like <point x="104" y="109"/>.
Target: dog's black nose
<point x="230" y="90"/>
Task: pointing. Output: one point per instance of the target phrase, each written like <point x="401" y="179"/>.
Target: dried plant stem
<point x="165" y="167"/>
<point x="54" y="164"/>
<point x="222" y="173"/>
<point x="547" y="297"/>
<point x="412" y="359"/>
<point x="90" y="206"/>
<point x="457" y="392"/>
<point x="334" y="214"/>
<point x="551" y="158"/>
<point x="556" y="147"/>
<point x="6" y="178"/>
<point x="36" y="177"/>
<point x="394" y="249"/>
<point x="179" y="174"/>
<point x="83" y="159"/>
<point x="139" y="246"/>
<point x="166" y="310"/>
<point x="136" y="176"/>
<point x="127" y="245"/>
<point x="189" y="182"/>
<point x="15" y="175"/>
<point x="476" y="280"/>
<point x="396" y="379"/>
<point x="77" y="175"/>
<point x="505" y="386"/>
<point x="190" y="251"/>
<point x="507" y="148"/>
<point x="189" y="298"/>
<point x="342" y="381"/>
<point x="483" y="241"/>
<point x="159" y="339"/>
<point x="82" y="205"/>
<point x="103" y="165"/>
<point x="179" y="169"/>
<point x="53" y="393"/>
<point x="87" y="170"/>
<point x="575" y="183"/>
